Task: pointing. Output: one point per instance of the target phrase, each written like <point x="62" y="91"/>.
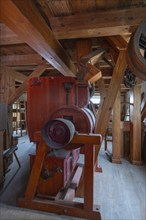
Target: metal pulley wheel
<point x="136" y="61"/>
<point x="58" y="133"/>
<point x="82" y="119"/>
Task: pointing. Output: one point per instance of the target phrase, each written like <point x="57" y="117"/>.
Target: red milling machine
<point x="61" y="125"/>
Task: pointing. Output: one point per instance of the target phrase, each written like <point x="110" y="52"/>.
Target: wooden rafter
<point x="117" y="42"/>
<point x="107" y="23"/>
<point x="25" y="20"/>
<point x="94" y="56"/>
<point x="44" y="5"/>
<point x="93" y="74"/>
<point x="36" y="73"/>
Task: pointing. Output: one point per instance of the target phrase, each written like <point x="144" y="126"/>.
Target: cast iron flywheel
<point x="136" y="61"/>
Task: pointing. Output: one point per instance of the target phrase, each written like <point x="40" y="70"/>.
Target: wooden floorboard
<point x="120" y="190"/>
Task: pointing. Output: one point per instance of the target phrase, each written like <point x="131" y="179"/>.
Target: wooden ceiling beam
<point x="94" y="56"/>
<point x="93" y="75"/>
<point x="21" y="60"/>
<point x="107" y="23"/>
<point x="25" y="20"/>
<point x="8" y="37"/>
<point x="28" y="69"/>
<point x="46" y="9"/>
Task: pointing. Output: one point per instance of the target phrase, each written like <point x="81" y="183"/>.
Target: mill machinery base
<point x="65" y="206"/>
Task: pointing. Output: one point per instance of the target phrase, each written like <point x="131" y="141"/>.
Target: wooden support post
<point x="83" y="47"/>
<point x="116" y="148"/>
<point x="135" y="149"/>
<point x="93" y="75"/>
<point x="36" y="171"/>
<point x="106" y="106"/>
<point x="89" y="178"/>
<point x="125" y="138"/>
<point x="7" y="87"/>
<point x="4" y="85"/>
